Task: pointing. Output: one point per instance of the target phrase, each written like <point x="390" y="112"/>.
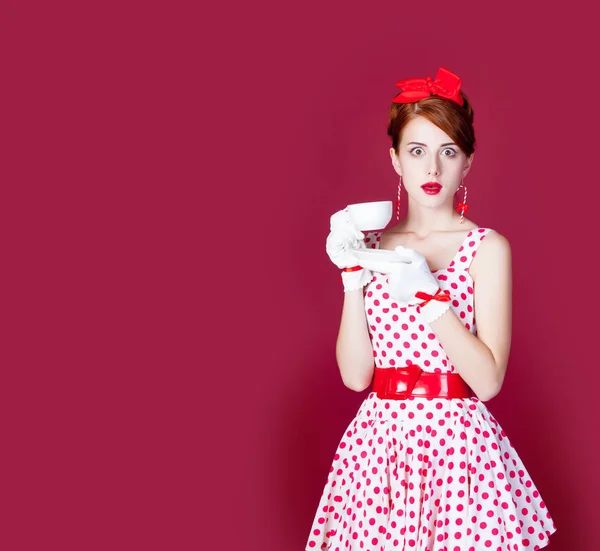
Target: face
<point x="427" y="154"/>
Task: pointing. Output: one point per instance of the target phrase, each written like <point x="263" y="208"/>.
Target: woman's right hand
<point x="342" y="238"/>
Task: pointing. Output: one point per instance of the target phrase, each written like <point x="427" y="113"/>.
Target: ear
<point x="395" y="161"/>
<point x="468" y="166"/>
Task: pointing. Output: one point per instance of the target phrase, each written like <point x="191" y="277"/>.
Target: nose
<point x="434" y="169"/>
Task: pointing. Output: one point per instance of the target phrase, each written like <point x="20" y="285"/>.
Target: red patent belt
<point x="398" y="383"/>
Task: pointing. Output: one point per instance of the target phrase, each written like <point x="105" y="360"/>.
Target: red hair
<point x="453" y="119"/>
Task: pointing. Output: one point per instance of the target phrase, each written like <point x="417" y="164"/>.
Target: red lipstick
<point x="431" y="188"/>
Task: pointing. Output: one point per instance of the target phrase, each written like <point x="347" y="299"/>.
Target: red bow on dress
<point x="446" y="85"/>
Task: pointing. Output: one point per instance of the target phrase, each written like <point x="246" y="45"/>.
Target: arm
<point x="482" y="360"/>
<point x="354" y="351"/>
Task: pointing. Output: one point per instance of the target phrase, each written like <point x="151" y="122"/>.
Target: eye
<point x="452" y="152"/>
<point x="415" y="149"/>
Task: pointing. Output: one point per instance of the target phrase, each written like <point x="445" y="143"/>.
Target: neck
<point x="424" y="220"/>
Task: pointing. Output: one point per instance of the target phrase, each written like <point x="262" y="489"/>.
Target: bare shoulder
<point x="493" y="255"/>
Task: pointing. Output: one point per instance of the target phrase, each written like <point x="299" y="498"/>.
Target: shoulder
<point x="493" y="254"/>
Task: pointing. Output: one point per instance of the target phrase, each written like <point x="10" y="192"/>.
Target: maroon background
<point x="169" y="312"/>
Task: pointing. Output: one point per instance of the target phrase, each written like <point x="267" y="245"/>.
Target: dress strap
<point x="464" y="256"/>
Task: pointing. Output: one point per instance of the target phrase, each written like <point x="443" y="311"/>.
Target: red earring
<point x="462" y="207"/>
<point x="398" y="201"/>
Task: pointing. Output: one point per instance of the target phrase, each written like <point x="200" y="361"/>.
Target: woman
<point x="424" y="465"/>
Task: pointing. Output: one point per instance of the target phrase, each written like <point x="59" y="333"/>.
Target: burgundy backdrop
<point x="169" y="312"/>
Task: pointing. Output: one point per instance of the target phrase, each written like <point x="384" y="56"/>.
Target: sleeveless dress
<point x="426" y="474"/>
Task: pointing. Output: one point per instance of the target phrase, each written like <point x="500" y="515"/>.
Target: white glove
<point x="415" y="284"/>
<point x="342" y="239"/>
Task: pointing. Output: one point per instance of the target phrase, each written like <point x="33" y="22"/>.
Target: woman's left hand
<point x="415" y="284"/>
<point x="411" y="278"/>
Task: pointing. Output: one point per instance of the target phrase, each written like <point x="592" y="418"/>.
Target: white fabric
<point x="342" y="239"/>
<point x="356" y="280"/>
<point x="406" y="281"/>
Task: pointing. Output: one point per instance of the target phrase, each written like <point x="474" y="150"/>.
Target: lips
<point x="431" y="187"/>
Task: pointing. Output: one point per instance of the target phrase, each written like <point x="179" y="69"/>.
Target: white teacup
<point x="371" y="216"/>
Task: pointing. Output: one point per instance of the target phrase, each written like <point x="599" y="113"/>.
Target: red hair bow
<point x="446" y="85"/>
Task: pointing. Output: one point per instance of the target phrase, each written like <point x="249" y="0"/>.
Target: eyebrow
<point x="425" y="145"/>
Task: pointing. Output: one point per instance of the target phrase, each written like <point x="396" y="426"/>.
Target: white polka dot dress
<point x="426" y="474"/>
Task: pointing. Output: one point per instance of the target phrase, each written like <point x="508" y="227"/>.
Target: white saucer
<point x="379" y="260"/>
